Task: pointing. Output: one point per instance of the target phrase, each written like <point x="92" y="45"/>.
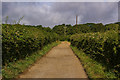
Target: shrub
<point x="103" y="47"/>
<point x="19" y="41"/>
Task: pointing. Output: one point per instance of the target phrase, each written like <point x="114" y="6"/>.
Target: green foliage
<point x="12" y="70"/>
<point x="59" y="29"/>
<point x="67" y="30"/>
<point x="19" y="41"/>
<point x="64" y="37"/>
<point x="94" y="69"/>
<point x="112" y="27"/>
<point x="104" y="47"/>
<point x="100" y="41"/>
<point x="118" y="30"/>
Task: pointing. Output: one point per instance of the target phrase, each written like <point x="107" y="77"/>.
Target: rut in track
<point x="59" y="62"/>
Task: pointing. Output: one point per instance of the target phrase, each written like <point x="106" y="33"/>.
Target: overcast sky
<point x="55" y="13"/>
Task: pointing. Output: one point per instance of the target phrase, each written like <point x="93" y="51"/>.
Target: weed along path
<point x="59" y="62"/>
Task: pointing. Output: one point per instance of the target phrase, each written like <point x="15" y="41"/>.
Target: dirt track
<point x="60" y="62"/>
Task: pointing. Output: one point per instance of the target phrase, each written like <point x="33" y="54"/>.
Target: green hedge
<point x="64" y="37"/>
<point x="19" y="41"/>
<point x="103" y="47"/>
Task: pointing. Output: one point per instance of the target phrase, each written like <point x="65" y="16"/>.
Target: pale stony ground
<point x="59" y="62"/>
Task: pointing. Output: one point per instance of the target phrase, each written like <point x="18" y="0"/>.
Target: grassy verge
<point x="12" y="70"/>
<point x="93" y="69"/>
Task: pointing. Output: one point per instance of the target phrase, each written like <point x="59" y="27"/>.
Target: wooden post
<point x="76" y="19"/>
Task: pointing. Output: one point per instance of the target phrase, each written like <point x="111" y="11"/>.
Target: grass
<point x="94" y="69"/>
<point x="12" y="70"/>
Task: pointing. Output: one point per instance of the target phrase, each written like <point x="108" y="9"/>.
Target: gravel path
<point x="59" y="62"/>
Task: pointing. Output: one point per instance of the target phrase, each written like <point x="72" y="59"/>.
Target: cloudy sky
<point x="55" y="13"/>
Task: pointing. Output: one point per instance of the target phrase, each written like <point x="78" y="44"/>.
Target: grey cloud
<point x="90" y="11"/>
<point x="50" y="14"/>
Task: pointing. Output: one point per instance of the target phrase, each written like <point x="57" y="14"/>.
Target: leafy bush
<point x="103" y="47"/>
<point x="64" y="37"/>
<point x="19" y="41"/>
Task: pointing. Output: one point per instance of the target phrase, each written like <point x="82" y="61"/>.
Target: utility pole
<point x="76" y="20"/>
